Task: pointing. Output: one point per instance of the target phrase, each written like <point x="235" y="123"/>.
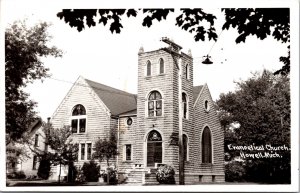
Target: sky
<point x="112" y="59"/>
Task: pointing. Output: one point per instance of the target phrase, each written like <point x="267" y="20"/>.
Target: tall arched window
<point x="148" y="68"/>
<point x="154" y="104"/>
<point x="154" y="148"/>
<point x="186" y="147"/>
<point x="187" y="71"/>
<point x="78" y="122"/>
<point x="161" y="66"/>
<point x="184" y="105"/>
<point x="206" y="146"/>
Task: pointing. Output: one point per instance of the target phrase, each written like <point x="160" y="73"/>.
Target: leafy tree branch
<point x="24" y="48"/>
<point x="261" y="22"/>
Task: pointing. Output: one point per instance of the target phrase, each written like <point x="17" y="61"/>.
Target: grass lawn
<point x="14" y="182"/>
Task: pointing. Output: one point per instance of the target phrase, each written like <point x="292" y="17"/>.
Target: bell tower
<point x="158" y="102"/>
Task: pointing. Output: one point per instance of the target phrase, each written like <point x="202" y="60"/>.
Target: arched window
<point x="148" y="68"/>
<point x="161" y="66"/>
<point x="206" y="146"/>
<point x="185" y="147"/>
<point x="184" y="105"/>
<point x="154" y="104"/>
<point x="187" y="71"/>
<point x="78" y="122"/>
<point x="154" y="148"/>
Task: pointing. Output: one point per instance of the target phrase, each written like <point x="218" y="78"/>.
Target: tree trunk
<point x="59" y="173"/>
<point x="108" y="171"/>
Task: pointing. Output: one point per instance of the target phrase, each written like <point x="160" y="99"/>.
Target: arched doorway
<point x="154" y="148"/>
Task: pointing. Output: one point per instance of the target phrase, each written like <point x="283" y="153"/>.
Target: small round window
<point x="129" y="121"/>
<point x="206" y="105"/>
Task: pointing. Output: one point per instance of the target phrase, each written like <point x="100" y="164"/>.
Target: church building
<point x="147" y="123"/>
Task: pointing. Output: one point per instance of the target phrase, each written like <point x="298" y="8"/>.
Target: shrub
<point x="113" y="176"/>
<point x="20" y="175"/>
<point x="234" y="172"/>
<point x="32" y="177"/>
<point x="10" y="176"/>
<point x="44" y="168"/>
<point x="91" y="171"/>
<point x="165" y="174"/>
<point x="80" y="177"/>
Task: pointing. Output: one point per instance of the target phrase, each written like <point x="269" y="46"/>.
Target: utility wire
<point x="215" y="42"/>
<point x="89" y="86"/>
<point x="120" y="91"/>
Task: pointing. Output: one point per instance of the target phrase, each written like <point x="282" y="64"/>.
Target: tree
<point x="15" y="154"/>
<point x="248" y="21"/>
<point x="24" y="48"/>
<point x="258" y="113"/>
<point x="106" y="149"/>
<point x="44" y="166"/>
<point x="64" y="150"/>
<point x="80" y="17"/>
<point x="91" y="171"/>
<point x="262" y="22"/>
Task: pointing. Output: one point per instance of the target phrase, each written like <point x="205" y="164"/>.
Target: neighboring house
<point x="147" y="123"/>
<point x="26" y="161"/>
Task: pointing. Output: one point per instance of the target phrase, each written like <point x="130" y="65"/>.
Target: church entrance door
<point x="154" y="148"/>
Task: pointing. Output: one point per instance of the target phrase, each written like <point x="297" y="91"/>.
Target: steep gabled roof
<point x="35" y="125"/>
<point x="120" y="102"/>
<point x="117" y="101"/>
<point x="196" y="91"/>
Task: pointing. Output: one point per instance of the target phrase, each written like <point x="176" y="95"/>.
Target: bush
<point x="80" y="177"/>
<point x="234" y="172"/>
<point x="44" y="168"/>
<point x="19" y="175"/>
<point x="165" y="175"/>
<point x="113" y="176"/>
<point x="10" y="176"/>
<point x="260" y="171"/>
<point x="91" y="171"/>
<point x="32" y="177"/>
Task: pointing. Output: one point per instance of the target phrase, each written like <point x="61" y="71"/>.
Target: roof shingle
<point x="117" y="101"/>
<point x="196" y="91"/>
